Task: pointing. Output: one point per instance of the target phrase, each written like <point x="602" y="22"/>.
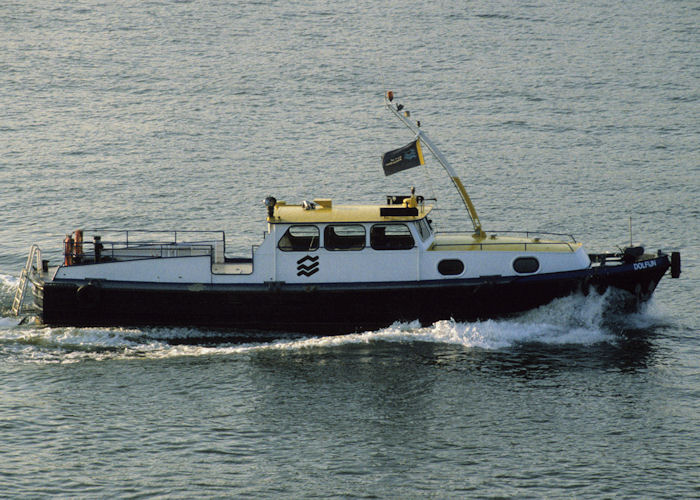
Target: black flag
<point x="403" y="158"/>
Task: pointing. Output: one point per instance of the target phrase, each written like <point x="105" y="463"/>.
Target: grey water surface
<point x="571" y="117"/>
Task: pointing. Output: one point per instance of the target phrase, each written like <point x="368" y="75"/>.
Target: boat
<point x="327" y="268"/>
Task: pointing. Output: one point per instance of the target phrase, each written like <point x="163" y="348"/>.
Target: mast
<point x="415" y="128"/>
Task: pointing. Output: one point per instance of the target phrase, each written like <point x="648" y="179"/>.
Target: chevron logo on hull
<point x="307" y="270"/>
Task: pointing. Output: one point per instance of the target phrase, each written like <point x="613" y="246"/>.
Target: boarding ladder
<point x="34" y="253"/>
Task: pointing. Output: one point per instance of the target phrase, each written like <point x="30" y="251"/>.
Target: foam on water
<point x="8" y="285"/>
<point x="8" y="322"/>
<point x="574" y="320"/>
<point x="8" y="282"/>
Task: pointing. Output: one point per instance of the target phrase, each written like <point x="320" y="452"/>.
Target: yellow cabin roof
<point x="325" y="211"/>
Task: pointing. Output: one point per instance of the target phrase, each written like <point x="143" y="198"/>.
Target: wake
<point x="574" y="320"/>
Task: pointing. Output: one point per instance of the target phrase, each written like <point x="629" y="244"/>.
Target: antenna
<point x="631" y="244"/>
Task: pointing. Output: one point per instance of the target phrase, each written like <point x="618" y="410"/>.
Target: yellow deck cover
<point x="465" y="241"/>
<point x="341" y="213"/>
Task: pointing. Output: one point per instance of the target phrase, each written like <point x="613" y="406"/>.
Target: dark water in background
<point x="185" y="115"/>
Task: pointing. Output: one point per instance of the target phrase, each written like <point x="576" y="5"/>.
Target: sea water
<point x="572" y="118"/>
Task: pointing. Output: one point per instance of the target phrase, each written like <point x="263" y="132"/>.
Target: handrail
<point x="113" y="251"/>
<point x="34" y="253"/>
<point x="173" y="232"/>
<point x="481" y="244"/>
<point x="527" y="234"/>
<point x="133" y="244"/>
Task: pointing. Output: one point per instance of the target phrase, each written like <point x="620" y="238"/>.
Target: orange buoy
<point x="68" y="251"/>
<point x="78" y="246"/>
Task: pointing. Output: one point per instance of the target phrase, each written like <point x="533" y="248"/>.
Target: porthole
<point x="526" y="265"/>
<point x="451" y="267"/>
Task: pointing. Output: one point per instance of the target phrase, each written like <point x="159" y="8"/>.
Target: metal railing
<point x="25" y="275"/>
<point x="120" y="245"/>
<point x="132" y="233"/>
<point x="484" y="244"/>
<point x="527" y="234"/>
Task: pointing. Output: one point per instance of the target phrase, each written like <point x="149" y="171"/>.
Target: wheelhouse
<point x="319" y="242"/>
<point x="319" y="225"/>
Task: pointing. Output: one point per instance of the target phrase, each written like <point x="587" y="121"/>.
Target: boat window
<point x="451" y="267"/>
<point x="391" y="237"/>
<point x="526" y="265"/>
<point x="344" y="237"/>
<point x="299" y="239"/>
<point x="423" y="229"/>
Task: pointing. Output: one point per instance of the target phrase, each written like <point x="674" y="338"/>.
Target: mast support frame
<point x="478" y="231"/>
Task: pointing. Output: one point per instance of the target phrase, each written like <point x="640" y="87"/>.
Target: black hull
<point x="332" y="308"/>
